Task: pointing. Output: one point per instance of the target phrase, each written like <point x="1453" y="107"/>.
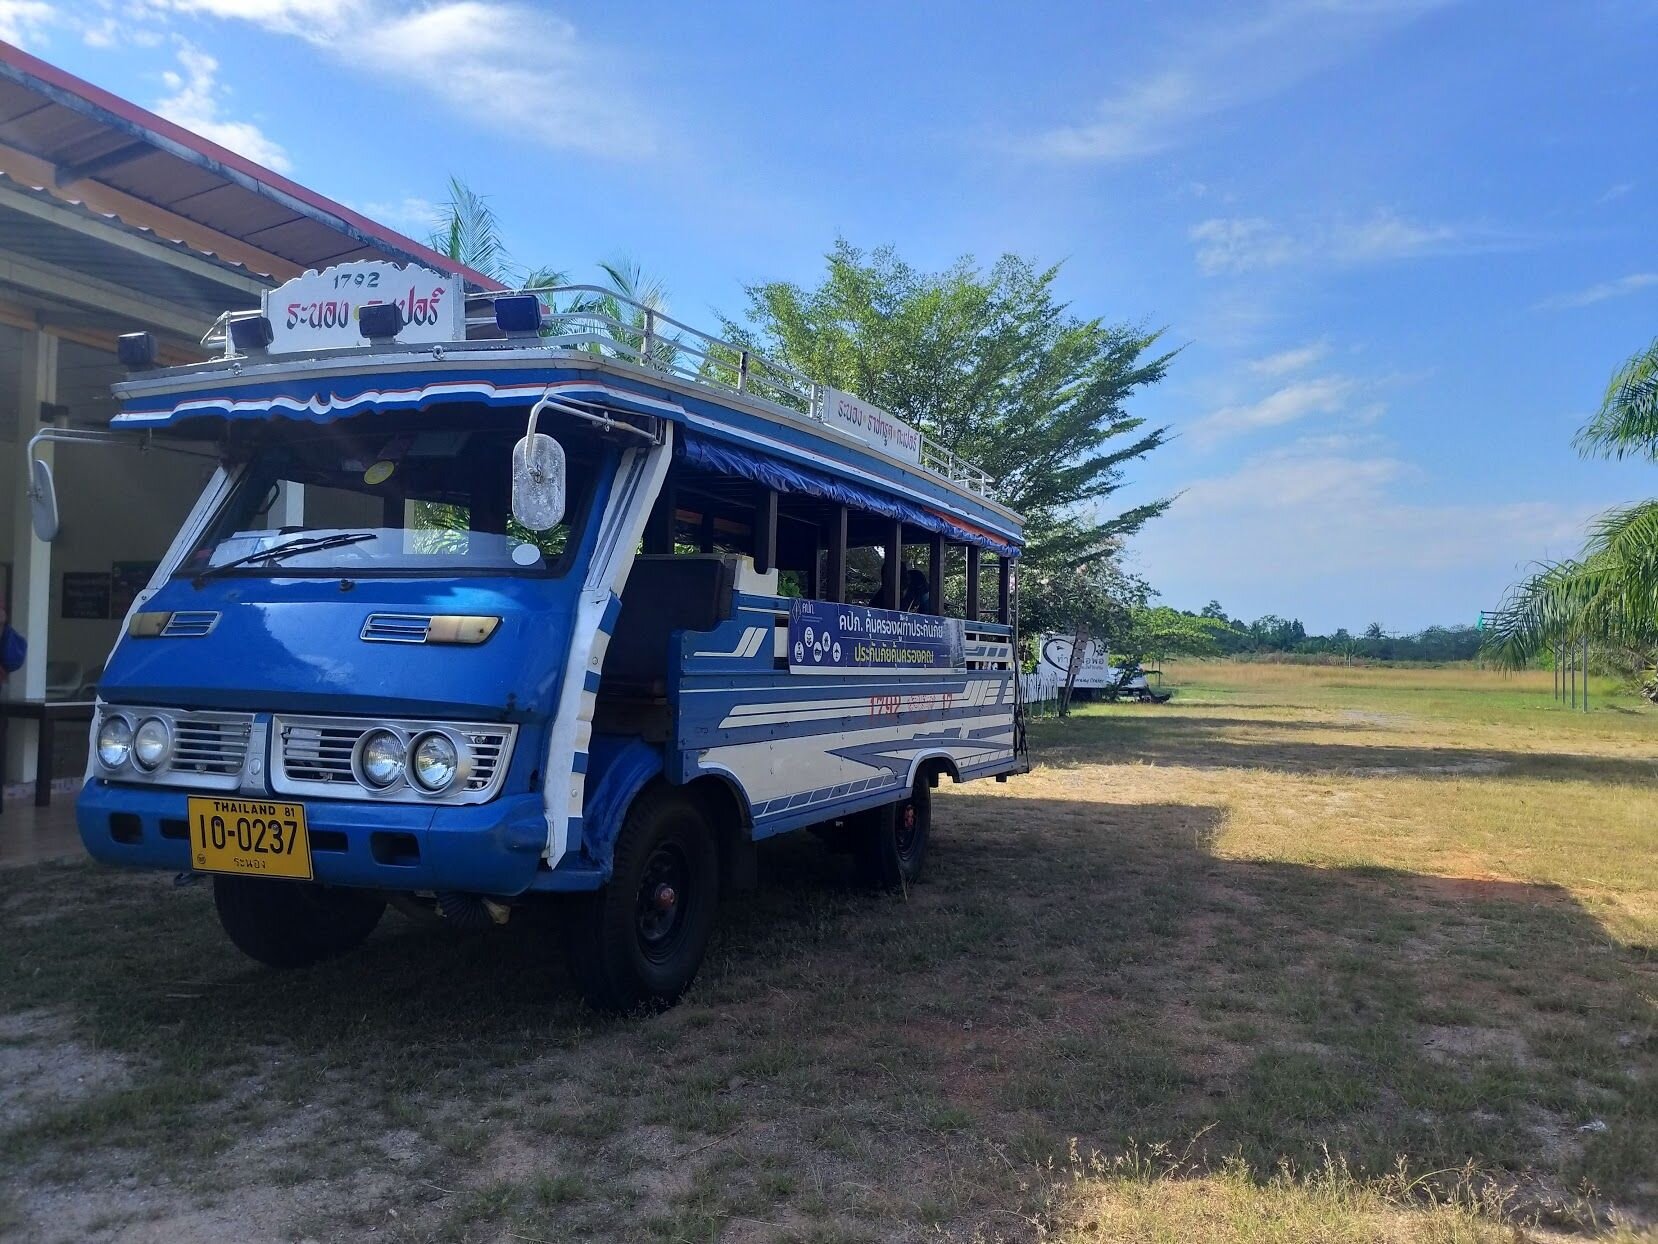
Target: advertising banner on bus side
<point x="826" y="638"/>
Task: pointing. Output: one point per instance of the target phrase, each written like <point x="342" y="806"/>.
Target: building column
<point x="31" y="559"/>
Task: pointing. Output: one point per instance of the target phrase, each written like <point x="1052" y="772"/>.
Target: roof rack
<point x="596" y="320"/>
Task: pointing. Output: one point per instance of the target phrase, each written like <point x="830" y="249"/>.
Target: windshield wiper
<point x="288" y="548"/>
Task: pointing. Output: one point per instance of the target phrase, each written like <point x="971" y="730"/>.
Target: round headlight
<point x="435" y="762"/>
<point x="380" y="758"/>
<point x="152" y="742"/>
<point x="114" y="742"/>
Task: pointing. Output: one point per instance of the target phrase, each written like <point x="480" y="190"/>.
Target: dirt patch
<point x="1461" y="1043"/>
<point x="43" y="1068"/>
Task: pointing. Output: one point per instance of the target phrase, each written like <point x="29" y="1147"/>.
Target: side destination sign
<point x="318" y="310"/>
<point x="826" y="638"/>
<point x="871" y="425"/>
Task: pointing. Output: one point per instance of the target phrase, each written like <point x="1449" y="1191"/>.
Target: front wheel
<point x="293" y="924"/>
<point x="639" y="940"/>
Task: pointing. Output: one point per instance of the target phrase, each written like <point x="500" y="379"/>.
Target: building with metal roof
<point x="115" y="220"/>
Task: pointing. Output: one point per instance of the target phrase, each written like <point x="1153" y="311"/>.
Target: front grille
<point x="190" y="624"/>
<point x="209" y="743"/>
<point x="313" y="755"/>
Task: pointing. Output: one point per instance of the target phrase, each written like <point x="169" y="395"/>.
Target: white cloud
<point x="411" y="215"/>
<point x="195" y="103"/>
<point x="1386" y="236"/>
<point x="1286" y="361"/>
<point x="1290" y="403"/>
<point x="24" y="22"/>
<point x="1216" y="67"/>
<point x="1624" y="285"/>
<point x="510" y="66"/>
<point x="1324" y="529"/>
<point x="1616" y="191"/>
<point x="1235" y="245"/>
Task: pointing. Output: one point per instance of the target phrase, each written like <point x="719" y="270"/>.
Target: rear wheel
<point x="890" y="843"/>
<point x="639" y="941"/>
<point x="291" y="924"/>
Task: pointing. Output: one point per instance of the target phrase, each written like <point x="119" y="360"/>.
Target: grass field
<point x="1308" y="954"/>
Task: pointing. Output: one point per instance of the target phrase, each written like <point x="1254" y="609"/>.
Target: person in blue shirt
<point x="13" y="648"/>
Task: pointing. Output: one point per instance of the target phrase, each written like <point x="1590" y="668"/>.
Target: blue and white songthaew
<point x="493" y="596"/>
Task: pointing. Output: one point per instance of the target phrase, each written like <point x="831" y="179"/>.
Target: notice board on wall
<point x="85" y="594"/>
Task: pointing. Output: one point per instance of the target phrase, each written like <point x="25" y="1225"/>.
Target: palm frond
<point x="1626" y="426"/>
<point x="469" y="232"/>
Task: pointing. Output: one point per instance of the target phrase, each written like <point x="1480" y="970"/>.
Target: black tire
<point x="890" y="843"/>
<point x="637" y="942"/>
<point x="292" y="924"/>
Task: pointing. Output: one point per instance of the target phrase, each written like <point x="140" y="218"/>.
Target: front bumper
<point x="491" y="848"/>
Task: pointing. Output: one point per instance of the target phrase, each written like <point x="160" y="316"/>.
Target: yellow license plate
<point x="252" y="837"/>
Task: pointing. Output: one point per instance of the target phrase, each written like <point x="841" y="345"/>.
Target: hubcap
<point x="659" y="912"/>
<point x="909" y="828"/>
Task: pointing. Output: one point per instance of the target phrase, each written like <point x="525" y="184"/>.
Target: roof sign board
<point x="319" y="310"/>
<point x="870" y="424"/>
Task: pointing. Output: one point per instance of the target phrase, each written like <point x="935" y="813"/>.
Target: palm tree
<point x="469" y="232"/>
<point x="1608" y="594"/>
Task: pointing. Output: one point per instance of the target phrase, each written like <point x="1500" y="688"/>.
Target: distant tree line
<point x="1230" y="636"/>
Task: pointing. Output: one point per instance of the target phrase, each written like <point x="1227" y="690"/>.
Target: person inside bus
<point x="918" y="593"/>
<point x="13" y="648"/>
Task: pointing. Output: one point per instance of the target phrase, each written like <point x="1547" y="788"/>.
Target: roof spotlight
<point x="136" y="350"/>
<point x="519" y="313"/>
<point x="252" y="333"/>
<point x="380" y="321"/>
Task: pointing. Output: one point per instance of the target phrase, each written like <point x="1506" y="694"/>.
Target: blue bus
<point x="541" y="596"/>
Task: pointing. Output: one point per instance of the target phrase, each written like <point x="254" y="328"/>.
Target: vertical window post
<point x="659" y="528"/>
<point x="1004" y="590"/>
<point x="892" y="579"/>
<point x="972" y="552"/>
<point x="935" y="574"/>
<point x="765" y="530"/>
<point x="835" y="588"/>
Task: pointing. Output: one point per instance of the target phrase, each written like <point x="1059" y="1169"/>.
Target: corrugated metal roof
<point x="91" y="137"/>
<point x="49" y="244"/>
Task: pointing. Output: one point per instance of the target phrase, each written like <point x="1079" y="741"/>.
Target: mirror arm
<point x="602" y="421"/>
<point x="141" y="441"/>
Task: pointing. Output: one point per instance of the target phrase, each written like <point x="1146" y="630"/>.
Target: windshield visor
<point x="363" y="500"/>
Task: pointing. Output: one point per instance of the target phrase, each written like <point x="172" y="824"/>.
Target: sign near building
<point x="871" y="425"/>
<point x="826" y="638"/>
<point x="1054" y="658"/>
<point x="318" y="310"/>
<point x="86" y="594"/>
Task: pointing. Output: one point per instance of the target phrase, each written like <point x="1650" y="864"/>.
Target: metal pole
<point x="1572" y="658"/>
<point x="1586" y="673"/>
<point x="645" y="354"/>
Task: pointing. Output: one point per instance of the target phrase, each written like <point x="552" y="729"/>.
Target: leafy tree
<point x="991" y="365"/>
<point x="1608" y="594"/>
<point x="1158" y="632"/>
<point x="1092" y="601"/>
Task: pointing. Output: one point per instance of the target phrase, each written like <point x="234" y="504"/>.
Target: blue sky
<point x="1401" y="245"/>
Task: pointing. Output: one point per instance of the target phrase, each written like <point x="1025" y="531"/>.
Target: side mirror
<point x="43" y="501"/>
<point x="538" y="494"/>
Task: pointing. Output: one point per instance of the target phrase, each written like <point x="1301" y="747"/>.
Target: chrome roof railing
<point x="597" y="320"/>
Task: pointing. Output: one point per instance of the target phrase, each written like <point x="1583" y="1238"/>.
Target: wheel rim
<point x="662" y="902"/>
<point x="909" y="828"/>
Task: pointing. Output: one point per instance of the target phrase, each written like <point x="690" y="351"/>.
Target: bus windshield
<point x="418" y="502"/>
